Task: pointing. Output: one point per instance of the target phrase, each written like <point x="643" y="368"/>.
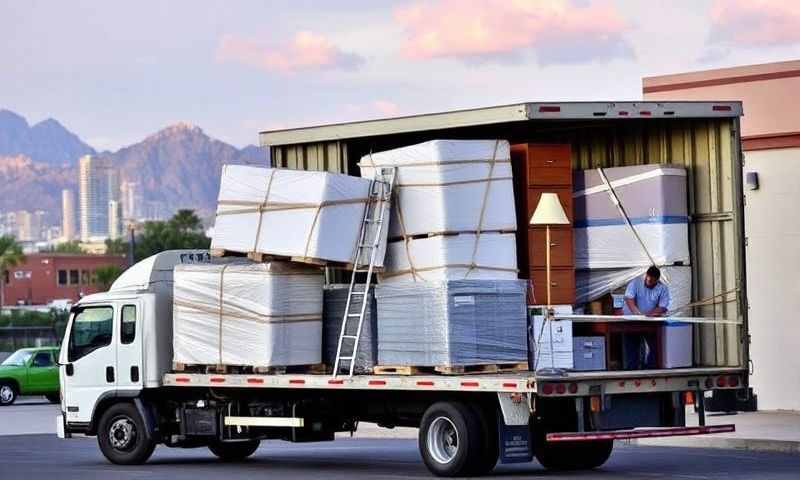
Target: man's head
<point x="652" y="276"/>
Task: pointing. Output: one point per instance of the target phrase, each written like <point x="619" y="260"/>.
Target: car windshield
<point x="20" y="357"/>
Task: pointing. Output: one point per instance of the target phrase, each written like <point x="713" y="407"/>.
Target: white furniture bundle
<point x="245" y="313"/>
<point x="305" y="216"/>
<point x="453" y="198"/>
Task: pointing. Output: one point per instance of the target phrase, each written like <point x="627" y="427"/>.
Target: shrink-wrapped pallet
<point x="306" y="216"/>
<point x="654" y="197"/>
<point x="333" y="315"/>
<point x="452" y="323"/>
<point x="447" y="186"/>
<point x="451" y="257"/>
<point x="249" y="314"/>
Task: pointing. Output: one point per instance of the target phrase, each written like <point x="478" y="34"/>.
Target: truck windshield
<point x="20" y="357"/>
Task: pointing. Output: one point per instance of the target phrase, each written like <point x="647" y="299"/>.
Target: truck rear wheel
<point x="450" y="439"/>
<point x="122" y="437"/>
<point x="573" y="455"/>
<point x="234" y="451"/>
<point x="490" y="449"/>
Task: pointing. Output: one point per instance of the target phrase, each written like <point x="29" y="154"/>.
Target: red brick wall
<point x="36" y="282"/>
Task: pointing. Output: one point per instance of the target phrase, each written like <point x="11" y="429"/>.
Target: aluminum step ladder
<point x="372" y="230"/>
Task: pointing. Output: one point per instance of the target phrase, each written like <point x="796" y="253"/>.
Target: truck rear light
<point x="721" y="382"/>
<point x="547" y="389"/>
<point x="688" y="398"/>
<point x="573" y="388"/>
<point x="595" y="403"/>
<point x="549" y="109"/>
<point x="645" y="113"/>
<point x="561" y="389"/>
<point x="623" y="113"/>
<point x="733" y="381"/>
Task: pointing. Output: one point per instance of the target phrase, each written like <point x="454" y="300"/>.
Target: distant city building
<point x="99" y="184"/>
<point x="69" y="215"/>
<point x="44" y="277"/>
<point x="29" y="225"/>
<point x="114" y="219"/>
<point x="131" y="200"/>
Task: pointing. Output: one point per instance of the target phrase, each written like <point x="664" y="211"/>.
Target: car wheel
<point x="8" y="394"/>
<point x="121" y="436"/>
<point x="450" y="439"/>
<point x="234" y="451"/>
<point x="53" y="397"/>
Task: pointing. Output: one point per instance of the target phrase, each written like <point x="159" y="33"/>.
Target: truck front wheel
<point x="450" y="439"/>
<point x="573" y="455"/>
<point x="122" y="437"/>
<point x="234" y="451"/>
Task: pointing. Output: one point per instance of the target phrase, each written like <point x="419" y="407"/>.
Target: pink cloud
<point x="306" y="51"/>
<point x="386" y="108"/>
<point x="755" y="22"/>
<point x="561" y="31"/>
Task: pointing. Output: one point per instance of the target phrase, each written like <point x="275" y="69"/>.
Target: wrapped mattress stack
<point x="335" y="300"/>
<point x="302" y="215"/>
<point x="244" y="313"/>
<point x="453" y="214"/>
<point x="452" y="323"/>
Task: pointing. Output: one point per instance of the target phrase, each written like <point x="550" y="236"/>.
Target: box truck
<point x="118" y="382"/>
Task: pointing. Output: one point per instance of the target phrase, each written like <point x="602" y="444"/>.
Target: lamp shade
<point x="549" y="211"/>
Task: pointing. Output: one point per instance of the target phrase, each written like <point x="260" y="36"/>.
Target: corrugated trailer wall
<point x="708" y="148"/>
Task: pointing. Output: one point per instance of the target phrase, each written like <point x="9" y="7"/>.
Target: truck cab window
<point x="128" y="324"/>
<point x="91" y="329"/>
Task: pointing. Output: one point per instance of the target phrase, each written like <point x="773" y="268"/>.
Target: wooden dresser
<point x="540" y="168"/>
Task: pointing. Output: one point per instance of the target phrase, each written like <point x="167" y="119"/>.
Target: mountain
<point x="177" y="167"/>
<point x="45" y="142"/>
<point x="180" y="166"/>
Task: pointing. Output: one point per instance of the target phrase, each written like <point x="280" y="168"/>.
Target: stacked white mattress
<point x="489" y="256"/>
<point x="450" y="187"/>
<point x="291" y="213"/>
<point x="243" y="313"/>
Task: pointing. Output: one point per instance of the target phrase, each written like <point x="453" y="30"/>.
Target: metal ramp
<point x="372" y="229"/>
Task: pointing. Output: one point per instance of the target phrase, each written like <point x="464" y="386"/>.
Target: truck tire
<point x="122" y="437"/>
<point x="450" y="440"/>
<point x="573" y="455"/>
<point x="234" y="451"/>
<point x="8" y="393"/>
<point x="53" y="397"/>
<point x="490" y="449"/>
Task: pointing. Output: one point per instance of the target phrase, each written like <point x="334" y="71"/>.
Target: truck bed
<point x="611" y="382"/>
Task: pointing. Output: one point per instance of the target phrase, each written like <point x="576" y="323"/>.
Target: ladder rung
<point x="346" y="358"/>
<point x="353" y="314"/>
<point x="349" y="336"/>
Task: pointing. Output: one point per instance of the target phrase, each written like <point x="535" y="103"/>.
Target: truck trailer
<point x="118" y="381"/>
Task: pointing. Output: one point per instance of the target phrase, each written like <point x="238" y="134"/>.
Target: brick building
<point x="44" y="277"/>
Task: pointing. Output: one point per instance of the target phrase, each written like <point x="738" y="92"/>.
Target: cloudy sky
<point x="115" y="72"/>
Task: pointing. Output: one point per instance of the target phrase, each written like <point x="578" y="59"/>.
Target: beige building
<point x="69" y="215"/>
<point x="771" y="142"/>
<point x="99" y="184"/>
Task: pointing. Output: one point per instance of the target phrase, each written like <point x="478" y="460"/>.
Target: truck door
<point x="129" y="346"/>
<point x="43" y="373"/>
<point x="88" y="361"/>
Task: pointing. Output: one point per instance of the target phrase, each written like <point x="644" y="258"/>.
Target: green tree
<point x="106" y="275"/>
<point x="68" y="247"/>
<point x="183" y="230"/>
<point x="116" y="247"/>
<point x="10" y="256"/>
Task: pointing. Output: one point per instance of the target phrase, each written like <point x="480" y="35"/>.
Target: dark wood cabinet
<point x="540" y="168"/>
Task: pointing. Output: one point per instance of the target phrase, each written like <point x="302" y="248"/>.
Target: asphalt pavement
<point x="33" y="457"/>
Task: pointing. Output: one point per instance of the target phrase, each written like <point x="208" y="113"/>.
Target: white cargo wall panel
<point x="253" y="314"/>
<point x="449" y="186"/>
<point x="290" y="213"/>
<point x="488" y="256"/>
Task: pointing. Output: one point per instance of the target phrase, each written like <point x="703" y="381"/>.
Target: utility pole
<point x="131" y="243"/>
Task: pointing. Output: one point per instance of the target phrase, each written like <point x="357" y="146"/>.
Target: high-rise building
<point x="69" y="215"/>
<point x="131" y="200"/>
<point x="99" y="184"/>
<point x="25" y="226"/>
<point x="114" y="219"/>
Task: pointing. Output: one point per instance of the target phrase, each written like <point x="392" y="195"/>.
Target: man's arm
<point x="631" y="303"/>
<point x="657" y="312"/>
<point x="663" y="303"/>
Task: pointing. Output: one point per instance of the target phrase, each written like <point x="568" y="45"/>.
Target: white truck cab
<point x="119" y="342"/>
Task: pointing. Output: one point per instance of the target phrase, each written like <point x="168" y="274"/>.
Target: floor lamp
<point x="549" y="212"/>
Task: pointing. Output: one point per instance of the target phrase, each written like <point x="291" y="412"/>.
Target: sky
<point x="115" y="72"/>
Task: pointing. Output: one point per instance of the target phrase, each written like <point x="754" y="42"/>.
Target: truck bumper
<point x="61" y="427"/>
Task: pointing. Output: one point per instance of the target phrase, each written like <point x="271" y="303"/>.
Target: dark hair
<point x="654" y="272"/>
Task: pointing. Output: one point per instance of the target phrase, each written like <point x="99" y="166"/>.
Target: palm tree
<point x="10" y="256"/>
